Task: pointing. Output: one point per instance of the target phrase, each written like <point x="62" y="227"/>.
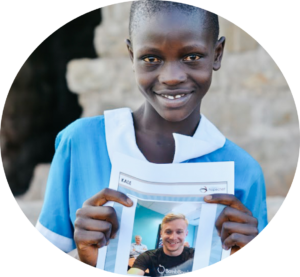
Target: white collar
<point x="120" y="137"/>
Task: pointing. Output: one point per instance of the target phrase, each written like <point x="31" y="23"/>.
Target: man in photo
<point x="137" y="247"/>
<point x="173" y="258"/>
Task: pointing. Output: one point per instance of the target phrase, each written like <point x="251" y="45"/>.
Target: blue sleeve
<point x="260" y="209"/>
<point x="54" y="221"/>
<point x="255" y="199"/>
<point x="249" y="184"/>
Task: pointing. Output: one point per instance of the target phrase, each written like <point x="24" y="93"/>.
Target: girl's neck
<point x="154" y="134"/>
<point x="147" y="120"/>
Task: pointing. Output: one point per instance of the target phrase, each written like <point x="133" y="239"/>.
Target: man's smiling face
<point x="173" y="235"/>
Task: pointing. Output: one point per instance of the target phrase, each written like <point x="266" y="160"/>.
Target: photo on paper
<point x="164" y="237"/>
<point x="161" y="190"/>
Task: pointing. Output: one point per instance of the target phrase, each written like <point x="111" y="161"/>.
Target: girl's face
<point x="173" y="59"/>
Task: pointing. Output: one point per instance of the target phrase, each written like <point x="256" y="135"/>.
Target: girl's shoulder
<point x="229" y="152"/>
<point x="240" y="155"/>
<point x="82" y="126"/>
<point x="245" y="164"/>
<point x="82" y="129"/>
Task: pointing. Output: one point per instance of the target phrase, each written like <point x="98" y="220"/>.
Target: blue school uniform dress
<point x="81" y="167"/>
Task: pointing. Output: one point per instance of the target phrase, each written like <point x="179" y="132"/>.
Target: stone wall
<point x="249" y="100"/>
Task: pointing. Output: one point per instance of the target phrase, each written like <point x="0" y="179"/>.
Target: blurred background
<point x="83" y="69"/>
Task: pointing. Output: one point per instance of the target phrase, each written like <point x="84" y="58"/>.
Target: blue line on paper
<point x="110" y="260"/>
<point x="216" y="245"/>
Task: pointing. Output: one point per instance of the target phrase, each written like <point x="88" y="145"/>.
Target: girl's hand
<point x="95" y="224"/>
<point x="236" y="225"/>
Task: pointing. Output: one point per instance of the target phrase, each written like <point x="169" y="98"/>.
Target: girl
<point x="174" y="49"/>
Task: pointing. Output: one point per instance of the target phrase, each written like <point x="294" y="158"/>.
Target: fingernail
<point x="129" y="201"/>
<point x="219" y="234"/>
<point x="107" y="243"/>
<point x="225" y="247"/>
<point x="208" y="197"/>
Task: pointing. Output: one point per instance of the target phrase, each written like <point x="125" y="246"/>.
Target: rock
<point x="111" y="34"/>
<point x="38" y="184"/>
<point x="273" y="205"/>
<point x="237" y="39"/>
<point x="31" y="209"/>
<point x="93" y="79"/>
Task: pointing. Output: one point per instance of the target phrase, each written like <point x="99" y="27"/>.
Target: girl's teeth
<point x="173" y="97"/>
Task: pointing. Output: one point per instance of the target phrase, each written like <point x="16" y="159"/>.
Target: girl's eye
<point x="151" y="59"/>
<point x="191" y="58"/>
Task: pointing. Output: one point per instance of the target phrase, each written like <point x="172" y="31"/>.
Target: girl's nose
<point x="172" y="74"/>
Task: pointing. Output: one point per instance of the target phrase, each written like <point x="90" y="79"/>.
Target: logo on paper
<point x="161" y="269"/>
<point x="203" y="190"/>
<point x="217" y="189"/>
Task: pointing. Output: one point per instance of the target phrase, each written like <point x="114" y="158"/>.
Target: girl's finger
<point x="234" y="215"/>
<point x="106" y="195"/>
<point x="90" y="224"/>
<point x="228" y="200"/>
<point x="230" y="228"/>
<point x="236" y="240"/>
<point x="101" y="213"/>
<point x="85" y="239"/>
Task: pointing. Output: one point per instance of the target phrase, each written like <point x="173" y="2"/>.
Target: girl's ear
<point x="219" y="49"/>
<point x="129" y="48"/>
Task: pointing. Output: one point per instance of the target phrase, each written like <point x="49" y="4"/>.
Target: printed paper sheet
<point x="159" y="189"/>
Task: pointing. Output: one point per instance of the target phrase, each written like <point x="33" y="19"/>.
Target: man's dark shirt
<point x="160" y="264"/>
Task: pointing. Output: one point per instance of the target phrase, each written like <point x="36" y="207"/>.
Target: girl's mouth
<point x="173" y="99"/>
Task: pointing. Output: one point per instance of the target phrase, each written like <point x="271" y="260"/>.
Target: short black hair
<point x="146" y="8"/>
